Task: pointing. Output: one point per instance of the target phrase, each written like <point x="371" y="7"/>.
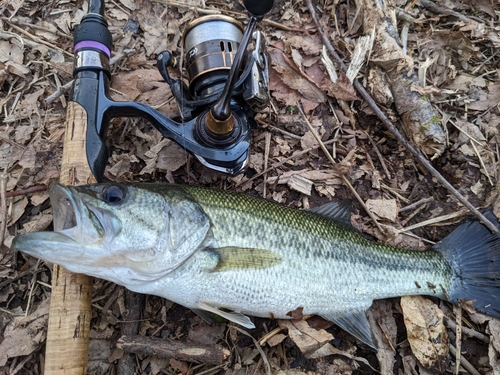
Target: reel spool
<point x="211" y="43"/>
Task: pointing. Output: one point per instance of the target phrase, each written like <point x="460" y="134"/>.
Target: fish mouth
<point x="73" y="218"/>
<point x="77" y="228"/>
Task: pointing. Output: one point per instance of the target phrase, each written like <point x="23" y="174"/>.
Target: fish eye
<point x="113" y="194"/>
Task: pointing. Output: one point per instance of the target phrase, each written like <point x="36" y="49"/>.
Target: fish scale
<point x="228" y="254"/>
<point x="328" y="269"/>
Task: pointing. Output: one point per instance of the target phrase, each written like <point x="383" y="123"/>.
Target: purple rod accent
<point x="92" y="44"/>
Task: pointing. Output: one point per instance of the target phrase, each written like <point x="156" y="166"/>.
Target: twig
<point x="60" y="91"/>
<point x="266" y="160"/>
<point x="3" y="204"/>
<point x="379" y="155"/>
<point x="267" y="336"/>
<point x="20" y="366"/>
<point x="184" y="351"/>
<point x="448" y="322"/>
<point x="32" y="289"/>
<point x="401" y="14"/>
<point x="37" y="39"/>
<point x="482" y="163"/>
<point x="284" y="132"/>
<point x="259" y="348"/>
<point x="282" y="162"/>
<point x="344" y="178"/>
<point x="417" y="203"/>
<point x="434" y="220"/>
<point x="32" y="189"/>
<point x="458" y="338"/>
<point x="188" y="6"/>
<point x="443" y="10"/>
<point x="381" y="115"/>
<point x="464" y="362"/>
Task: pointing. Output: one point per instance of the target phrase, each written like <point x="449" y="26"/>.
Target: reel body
<point x="225" y="84"/>
<point x="211" y="43"/>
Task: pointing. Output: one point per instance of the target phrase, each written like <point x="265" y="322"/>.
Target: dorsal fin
<point x="339" y="211"/>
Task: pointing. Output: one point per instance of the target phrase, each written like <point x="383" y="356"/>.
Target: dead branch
<point x="35" y="38"/>
<point x="420" y="121"/>
<point x="3" y="204"/>
<point x="60" y="91"/>
<point x="32" y="189"/>
<point x="464" y="362"/>
<point x="438" y="9"/>
<point x="181" y="350"/>
<point x="133" y="302"/>
<point x="390" y="126"/>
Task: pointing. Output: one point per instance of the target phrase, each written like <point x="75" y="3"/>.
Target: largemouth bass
<point x="219" y="252"/>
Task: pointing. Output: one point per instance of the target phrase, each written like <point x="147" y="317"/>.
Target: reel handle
<point x="258" y="8"/>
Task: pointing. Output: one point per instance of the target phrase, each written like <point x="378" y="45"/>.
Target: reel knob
<point x="258" y="8"/>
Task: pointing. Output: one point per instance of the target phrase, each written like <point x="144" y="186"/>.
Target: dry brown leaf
<point x="29" y="105"/>
<point x="129" y="4"/>
<point x="494" y="346"/>
<point x="384" y="331"/>
<point x="309" y="44"/>
<point x="63" y="22"/>
<point x="121" y="167"/>
<point x="206" y="334"/>
<point x="386" y="209"/>
<point x="171" y="157"/>
<point x="155" y="29"/>
<point x="17" y="210"/>
<point x="294" y="78"/>
<point x="39" y="222"/>
<point x="134" y="83"/>
<point x="307" y="339"/>
<point x="10" y="52"/>
<point x="23" y="336"/>
<point x="282" y="92"/>
<point x="276" y="339"/>
<point x="427" y="333"/>
<point x="483" y="100"/>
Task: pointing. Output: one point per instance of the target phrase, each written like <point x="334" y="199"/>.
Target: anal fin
<point x="232" y="316"/>
<point x="356" y="323"/>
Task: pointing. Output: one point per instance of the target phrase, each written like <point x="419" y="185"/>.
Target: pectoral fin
<point x="231" y="257"/>
<point x="232" y="316"/>
<point x="356" y="323"/>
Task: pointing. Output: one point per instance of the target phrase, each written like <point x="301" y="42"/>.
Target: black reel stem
<point x="221" y="111"/>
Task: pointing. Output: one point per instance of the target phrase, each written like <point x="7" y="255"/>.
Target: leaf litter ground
<point x="451" y="46"/>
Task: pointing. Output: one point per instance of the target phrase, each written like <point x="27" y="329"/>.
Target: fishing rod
<point x="226" y="83"/>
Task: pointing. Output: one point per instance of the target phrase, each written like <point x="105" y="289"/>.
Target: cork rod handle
<point x="70" y="310"/>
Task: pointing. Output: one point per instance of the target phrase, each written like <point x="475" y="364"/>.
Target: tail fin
<point x="473" y="252"/>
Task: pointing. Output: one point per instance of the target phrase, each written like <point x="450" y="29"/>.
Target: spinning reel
<point x="226" y="83"/>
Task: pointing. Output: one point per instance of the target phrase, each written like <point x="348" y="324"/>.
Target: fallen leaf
<point x="207" y="334"/>
<point x="307" y="339"/>
<point x="427" y="333"/>
<point x="171" y="157"/>
<point x="10" y="52"/>
<point x="24" y="335"/>
<point x="384" y="208"/>
<point x="276" y="339"/>
<point x="494" y="346"/>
